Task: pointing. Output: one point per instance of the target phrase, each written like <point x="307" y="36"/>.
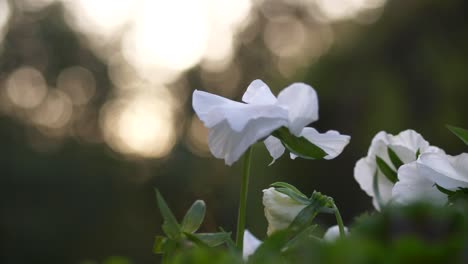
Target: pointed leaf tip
<point x="194" y="217"/>
<point x="170" y="226"/>
<point x="460" y="133"/>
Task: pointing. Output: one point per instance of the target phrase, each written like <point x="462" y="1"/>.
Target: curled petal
<point x="331" y="142"/>
<point x="413" y="187"/>
<point x="251" y="243"/>
<point x="301" y="102"/>
<point x="450" y="172"/>
<point x="258" y="92"/>
<point x="206" y="106"/>
<point x="228" y="144"/>
<point x="274" y="147"/>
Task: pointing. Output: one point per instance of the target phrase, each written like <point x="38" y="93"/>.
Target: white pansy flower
<point x="417" y="180"/>
<point x="333" y="233"/>
<point x="405" y="145"/>
<point x="280" y="209"/>
<point x="251" y="243"/>
<point x="235" y="126"/>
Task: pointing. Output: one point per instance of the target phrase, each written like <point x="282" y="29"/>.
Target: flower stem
<point x="243" y="199"/>
<point x="339" y="221"/>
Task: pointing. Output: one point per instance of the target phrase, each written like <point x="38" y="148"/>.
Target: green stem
<point x="243" y="200"/>
<point x="339" y="221"/>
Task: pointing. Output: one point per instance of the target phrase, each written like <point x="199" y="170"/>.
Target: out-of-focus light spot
<point x="33" y="5"/>
<point x="78" y="83"/>
<point x="230" y="12"/>
<point x="26" y="87"/>
<point x="103" y="17"/>
<point x="171" y="34"/>
<point x="5" y="13"/>
<point x="55" y="112"/>
<point x="334" y="10"/>
<point x="197" y="138"/>
<point x="285" y="37"/>
<point x="142" y="126"/>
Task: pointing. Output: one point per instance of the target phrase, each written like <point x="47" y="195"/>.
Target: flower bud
<point x="280" y="209"/>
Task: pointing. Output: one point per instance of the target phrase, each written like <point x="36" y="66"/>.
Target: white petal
<point x="258" y="93"/>
<point x="331" y="142"/>
<point x="228" y="144"/>
<point x="251" y="243"/>
<point x="413" y="187"/>
<point x="206" y="105"/>
<point x="274" y="147"/>
<point x="364" y="174"/>
<point x="333" y="233"/>
<point x="301" y="101"/>
<point x="450" y="172"/>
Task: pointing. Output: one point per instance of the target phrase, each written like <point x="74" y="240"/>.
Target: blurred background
<point x="95" y="108"/>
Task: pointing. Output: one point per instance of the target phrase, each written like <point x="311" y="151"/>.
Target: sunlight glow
<point x="142" y="126"/>
<point x="171" y="34"/>
<point x="5" y="13"/>
<point x="335" y="10"/>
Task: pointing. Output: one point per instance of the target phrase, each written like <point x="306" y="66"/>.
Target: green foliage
<point x="170" y="225"/>
<point x="459" y="132"/>
<point x="418" y="233"/>
<point x="299" y="146"/>
<point x="183" y="236"/>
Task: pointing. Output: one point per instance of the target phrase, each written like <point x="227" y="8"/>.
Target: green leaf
<point x="396" y="161"/>
<point x="214" y="239"/>
<point x="170" y="225"/>
<point x="307" y="215"/>
<point x="459" y="132"/>
<point x="159" y="243"/>
<point x="293" y="195"/>
<point x="304" y="237"/>
<point x="386" y="170"/>
<point x="289" y="186"/>
<point x="194" y="217"/>
<point x="270" y="250"/>
<point x="299" y="146"/>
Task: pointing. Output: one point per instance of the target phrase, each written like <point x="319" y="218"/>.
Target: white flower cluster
<point x="422" y="175"/>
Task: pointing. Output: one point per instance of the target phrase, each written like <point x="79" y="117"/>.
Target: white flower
<point x="417" y="180"/>
<point x="251" y="243"/>
<point x="280" y="209"/>
<point x="234" y="126"/>
<point x="405" y="145"/>
<point x="333" y="233"/>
